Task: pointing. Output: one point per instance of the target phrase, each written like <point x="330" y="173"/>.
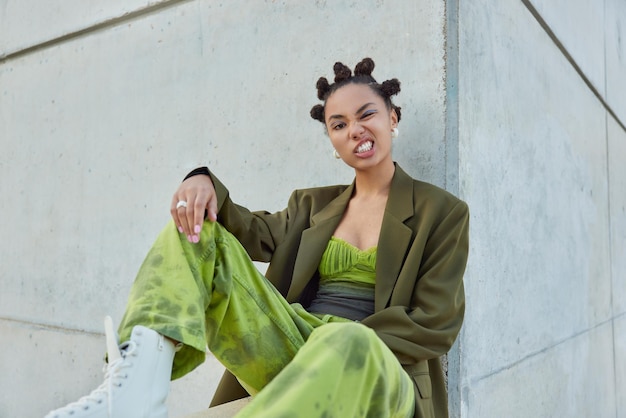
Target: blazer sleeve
<point x="428" y="326"/>
<point x="259" y="232"/>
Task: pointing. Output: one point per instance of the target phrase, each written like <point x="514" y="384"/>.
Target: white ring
<point x="181" y="204"/>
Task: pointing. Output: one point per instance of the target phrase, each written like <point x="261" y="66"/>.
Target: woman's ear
<point x="394" y="118"/>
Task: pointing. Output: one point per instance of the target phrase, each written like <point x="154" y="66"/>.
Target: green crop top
<point x="347" y="280"/>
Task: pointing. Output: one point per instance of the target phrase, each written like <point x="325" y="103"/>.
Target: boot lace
<point x="114" y="375"/>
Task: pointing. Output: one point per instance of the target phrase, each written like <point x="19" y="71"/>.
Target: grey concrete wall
<point x="104" y="106"/>
<point x="518" y="107"/>
<point x="541" y="151"/>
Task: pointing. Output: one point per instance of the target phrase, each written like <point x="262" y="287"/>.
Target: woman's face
<point x="359" y="126"/>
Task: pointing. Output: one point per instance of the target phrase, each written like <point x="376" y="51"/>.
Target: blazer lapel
<point x="393" y="242"/>
<point x="314" y="241"/>
<point x="395" y="236"/>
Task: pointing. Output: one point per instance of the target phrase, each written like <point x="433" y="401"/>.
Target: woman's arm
<point x="208" y="198"/>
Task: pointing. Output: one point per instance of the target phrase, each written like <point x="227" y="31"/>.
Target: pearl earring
<point x="336" y="154"/>
<point x="394" y="133"/>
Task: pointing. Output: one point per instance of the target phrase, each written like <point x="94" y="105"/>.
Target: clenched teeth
<point x="364" y="147"/>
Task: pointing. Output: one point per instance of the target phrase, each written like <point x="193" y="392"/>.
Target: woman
<point x="362" y="295"/>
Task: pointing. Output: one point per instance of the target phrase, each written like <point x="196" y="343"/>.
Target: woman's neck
<point x="374" y="183"/>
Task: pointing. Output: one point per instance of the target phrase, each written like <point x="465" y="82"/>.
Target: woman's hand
<point x="198" y="195"/>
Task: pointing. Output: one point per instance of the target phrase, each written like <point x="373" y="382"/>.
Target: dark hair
<point x="362" y="75"/>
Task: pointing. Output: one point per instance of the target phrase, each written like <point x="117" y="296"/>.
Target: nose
<point x="355" y="130"/>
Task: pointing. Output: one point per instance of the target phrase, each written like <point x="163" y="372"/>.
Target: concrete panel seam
<point x="116" y="21"/>
<point x="533" y="11"/>
<point x="451" y="74"/>
<point x="451" y="179"/>
<point x="604" y="55"/>
<point x="610" y="242"/>
<point x="543" y="350"/>
<point x="49" y="327"/>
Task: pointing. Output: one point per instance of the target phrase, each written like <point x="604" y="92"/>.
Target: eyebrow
<point x="359" y="110"/>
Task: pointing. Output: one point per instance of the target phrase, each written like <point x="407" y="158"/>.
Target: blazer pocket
<point x="420" y="373"/>
<point x="424" y="386"/>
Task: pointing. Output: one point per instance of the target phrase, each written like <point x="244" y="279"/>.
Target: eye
<point x="338" y="126"/>
<point x="368" y="113"/>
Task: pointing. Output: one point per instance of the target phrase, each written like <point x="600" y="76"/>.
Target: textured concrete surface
<point x="617" y="202"/>
<point x="615" y="56"/>
<point x="617" y="197"/>
<point x="104" y="106"/>
<point x="38" y="363"/>
<point x="100" y="123"/>
<point x="25" y="24"/>
<point x="553" y="383"/>
<point x="593" y="34"/>
<point x="580" y="26"/>
<point x="540" y="221"/>
<point x="620" y="364"/>
<point x="536" y="153"/>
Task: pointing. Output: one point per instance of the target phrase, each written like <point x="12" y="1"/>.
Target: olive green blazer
<point x="422" y="253"/>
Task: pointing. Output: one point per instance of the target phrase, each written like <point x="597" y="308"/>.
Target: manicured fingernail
<point x="195" y="239"/>
<point x="197" y="229"/>
<point x="180" y="229"/>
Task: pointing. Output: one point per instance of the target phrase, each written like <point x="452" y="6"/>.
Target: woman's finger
<point x="180" y="210"/>
<point x="211" y="208"/>
<point x="194" y="197"/>
<point x="174" y="212"/>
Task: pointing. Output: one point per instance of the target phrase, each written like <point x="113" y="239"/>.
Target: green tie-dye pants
<point x="212" y="294"/>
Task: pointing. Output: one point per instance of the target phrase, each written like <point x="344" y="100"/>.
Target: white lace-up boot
<point x="136" y="380"/>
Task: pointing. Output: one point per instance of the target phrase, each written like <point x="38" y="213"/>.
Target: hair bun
<point x="365" y="67"/>
<point x="317" y="112"/>
<point x="322" y="87"/>
<point x="390" y="87"/>
<point x="342" y="72"/>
